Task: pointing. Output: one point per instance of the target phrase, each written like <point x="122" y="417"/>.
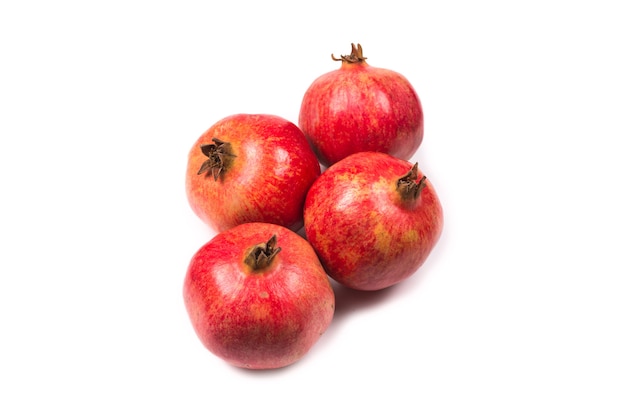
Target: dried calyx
<point x="262" y="254"/>
<point x="409" y="186"/>
<point x="219" y="157"/>
<point x="355" y="56"/>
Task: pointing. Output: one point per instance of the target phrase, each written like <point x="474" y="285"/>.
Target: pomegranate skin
<point x="359" y="107"/>
<point x="367" y="236"/>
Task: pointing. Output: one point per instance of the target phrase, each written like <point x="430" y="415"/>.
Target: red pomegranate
<point x="359" y="107"/>
<point x="250" y="168"/>
<point x="373" y="219"/>
<point x="257" y="296"/>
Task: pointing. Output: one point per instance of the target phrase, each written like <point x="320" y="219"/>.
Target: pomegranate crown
<point x="355" y="56"/>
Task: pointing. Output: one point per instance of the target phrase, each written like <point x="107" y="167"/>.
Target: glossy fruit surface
<point x="257" y="296"/>
<point x="373" y="219"/>
<point x="359" y="107"/>
<point x="250" y="168"/>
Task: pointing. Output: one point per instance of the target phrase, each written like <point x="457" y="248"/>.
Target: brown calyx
<point x="408" y="185"/>
<point x="261" y="255"/>
<point x="219" y="155"/>
<point x="355" y="56"/>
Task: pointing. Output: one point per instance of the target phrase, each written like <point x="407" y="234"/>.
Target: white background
<point x="520" y="311"/>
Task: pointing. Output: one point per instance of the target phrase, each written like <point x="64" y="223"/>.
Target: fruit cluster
<point x="258" y="294"/>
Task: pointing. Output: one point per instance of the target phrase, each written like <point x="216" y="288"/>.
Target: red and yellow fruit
<point x="359" y="107"/>
<point x="250" y="168"/>
<point x="373" y="219"/>
<point x="257" y="296"/>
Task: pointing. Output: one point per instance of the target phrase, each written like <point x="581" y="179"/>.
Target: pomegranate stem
<point x="408" y="186"/>
<point x="219" y="157"/>
<point x="261" y="255"/>
<point x="355" y="56"/>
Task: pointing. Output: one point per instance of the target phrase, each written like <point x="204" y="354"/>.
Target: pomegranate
<point x="373" y="219"/>
<point x="359" y="107"/>
<point x="250" y="168"/>
<point x="257" y="296"/>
